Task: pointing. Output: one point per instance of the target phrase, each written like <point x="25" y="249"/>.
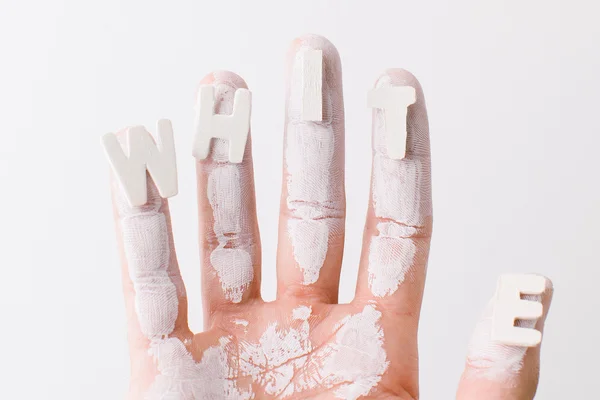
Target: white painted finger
<point x="498" y="369"/>
<point x="313" y="200"/>
<point x="229" y="238"/>
<point x="149" y="254"/>
<point x="397" y="233"/>
<point x="398" y="225"/>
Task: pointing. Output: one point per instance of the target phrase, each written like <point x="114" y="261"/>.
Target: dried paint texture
<point x="492" y="360"/>
<point x="314" y="163"/>
<point x="146" y="245"/>
<point x="285" y="362"/>
<point x="401" y="196"/>
<point x="391" y="255"/>
<point x="309" y="240"/>
<point x="182" y="378"/>
<point x="233" y="265"/>
<point x="356" y="359"/>
<point x="229" y="188"/>
<point x="150" y="261"/>
<point x="273" y="361"/>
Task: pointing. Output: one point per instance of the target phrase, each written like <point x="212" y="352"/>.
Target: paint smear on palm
<point x="284" y="361"/>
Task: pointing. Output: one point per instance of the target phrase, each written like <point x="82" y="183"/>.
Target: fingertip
<point x="313" y="206"/>
<point x="332" y="66"/>
<point x="224" y="77"/>
<point x="399" y="77"/>
<point x="315" y="42"/>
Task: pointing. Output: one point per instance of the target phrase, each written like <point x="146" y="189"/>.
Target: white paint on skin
<point x="148" y="254"/>
<point x="314" y="196"/>
<point x="492" y="360"/>
<point x="147" y="251"/>
<point x="396" y="191"/>
<point x="278" y="354"/>
<point x="181" y="378"/>
<point x="285" y="362"/>
<point x="356" y="357"/>
<point x="226" y="192"/>
<point x="401" y="197"/>
<point x="151" y="269"/>
<point x="309" y="240"/>
<point x="390" y="257"/>
<point x="148" y="271"/>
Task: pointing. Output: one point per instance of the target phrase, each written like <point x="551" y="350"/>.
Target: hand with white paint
<point x="303" y="345"/>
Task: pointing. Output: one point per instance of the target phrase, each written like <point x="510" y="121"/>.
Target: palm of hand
<point x="303" y="345"/>
<point x="279" y="350"/>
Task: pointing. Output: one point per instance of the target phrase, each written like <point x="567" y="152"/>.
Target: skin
<point x="399" y="311"/>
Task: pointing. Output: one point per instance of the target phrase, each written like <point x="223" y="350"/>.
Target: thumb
<point x="497" y="371"/>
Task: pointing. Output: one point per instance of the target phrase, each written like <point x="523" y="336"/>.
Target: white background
<point x="512" y="89"/>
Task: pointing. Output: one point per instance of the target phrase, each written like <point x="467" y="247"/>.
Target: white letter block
<point x="394" y="101"/>
<point x="312" y="85"/>
<point x="143" y="154"/>
<point x="509" y="306"/>
<point x="232" y="127"/>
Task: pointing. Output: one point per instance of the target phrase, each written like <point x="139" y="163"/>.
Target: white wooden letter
<point x="509" y="306"/>
<point x="232" y="127"/>
<point x="143" y="154"/>
<point x="312" y="85"/>
<point x="394" y="101"/>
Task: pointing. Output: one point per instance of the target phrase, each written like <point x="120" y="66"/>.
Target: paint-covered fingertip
<point x="315" y="42"/>
<point x="332" y="65"/>
<point x="224" y="77"/>
<point x="397" y="77"/>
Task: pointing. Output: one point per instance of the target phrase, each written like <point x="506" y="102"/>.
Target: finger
<point x="154" y="292"/>
<point x="398" y="230"/>
<point x="496" y="371"/>
<point x="312" y="214"/>
<point x="399" y="219"/>
<point x="229" y="237"/>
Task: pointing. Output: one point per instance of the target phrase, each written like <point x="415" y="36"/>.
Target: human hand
<point x="303" y="344"/>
